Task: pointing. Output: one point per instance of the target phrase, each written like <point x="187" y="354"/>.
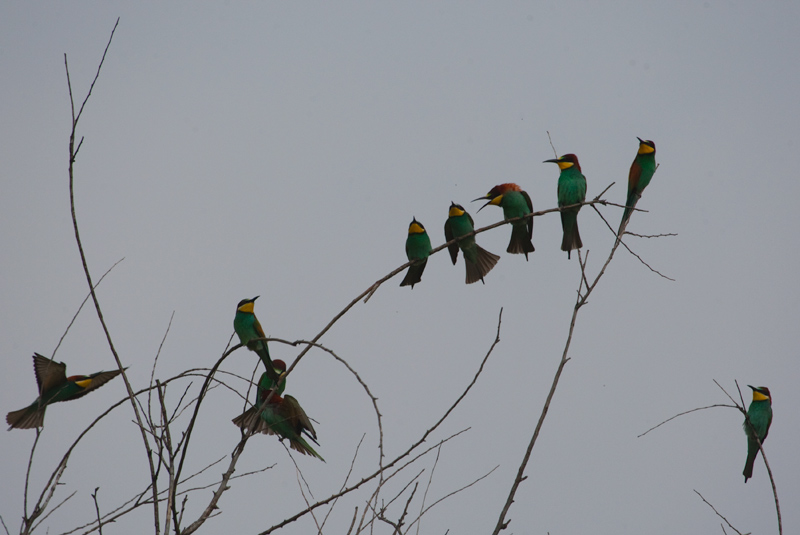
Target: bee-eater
<point x="760" y="416"/>
<point x="515" y="203"/>
<point x="249" y="330"/>
<point x="251" y="418"/>
<point x="478" y="260"/>
<point x="571" y="190"/>
<point x="281" y="416"/>
<point x="54" y="386"/>
<point x="642" y="169"/>
<point x="418" y="247"/>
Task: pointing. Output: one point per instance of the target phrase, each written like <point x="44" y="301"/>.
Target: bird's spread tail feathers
<point x="299" y="444"/>
<point x="26" y="418"/>
<point x="485" y="262"/>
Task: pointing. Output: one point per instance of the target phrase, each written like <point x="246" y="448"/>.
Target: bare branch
<point x="53" y="356"/>
<point x="580" y="301"/>
<point x="97" y="510"/>
<point x="53" y="510"/>
<point x="651" y="236"/>
<point x="619" y="240"/>
<point x="718" y="514"/>
<point x="72" y="156"/>
<point x="453" y="493"/>
<point x="683" y="413"/>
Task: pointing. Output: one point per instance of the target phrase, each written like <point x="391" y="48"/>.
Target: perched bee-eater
<point x="642" y="169"/>
<point x="760" y="416"/>
<point x="54" y="386"/>
<point x="251" y="418"/>
<point x="515" y="203"/>
<point x="571" y="190"/>
<point x="478" y="260"/>
<point x="281" y="416"/>
<point x="418" y="247"/>
<point x="249" y="331"/>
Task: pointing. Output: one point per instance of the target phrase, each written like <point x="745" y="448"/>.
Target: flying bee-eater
<point x="515" y="203"/>
<point x="55" y="386"/>
<point x="760" y="417"/>
<point x="418" y="247"/>
<point x="642" y="169"/>
<point x="571" y="190"/>
<point x="478" y="260"/>
<point x="249" y="331"/>
<point x="281" y="416"/>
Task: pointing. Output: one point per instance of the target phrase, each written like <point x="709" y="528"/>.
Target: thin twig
<point x="28" y="477"/>
<point x="619" y="240"/>
<point x="364" y="480"/>
<point x="53" y="510"/>
<point x="580" y="301"/>
<point x="346" y="479"/>
<point x="77" y="312"/>
<point x="550" y="139"/>
<point x="97" y="510"/>
<point x="682" y="413"/>
<point x="155" y="361"/>
<point x="428" y="487"/>
<point x="718" y="514"/>
<point x="448" y="495"/>
<point x="73" y="152"/>
<point x="651" y="236"/>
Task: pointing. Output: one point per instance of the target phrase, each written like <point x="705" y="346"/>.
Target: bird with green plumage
<point x="249" y="330"/>
<point x="642" y="170"/>
<point x="55" y="386"/>
<point x="759" y="418"/>
<point x="571" y="190"/>
<point x="273" y="414"/>
<point x="418" y="248"/>
<point x="477" y="260"/>
<point x="515" y="203"/>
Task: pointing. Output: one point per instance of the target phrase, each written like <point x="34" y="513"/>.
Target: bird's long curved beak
<point x="487" y="196"/>
<point x="552" y="160"/>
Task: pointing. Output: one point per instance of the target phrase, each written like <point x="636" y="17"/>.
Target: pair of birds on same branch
<point x="517" y="203"/>
<point x="271" y="413"/>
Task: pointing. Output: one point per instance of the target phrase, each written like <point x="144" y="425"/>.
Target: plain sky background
<point x="282" y="148"/>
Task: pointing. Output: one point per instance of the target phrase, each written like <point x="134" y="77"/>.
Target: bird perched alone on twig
<point x="760" y="416"/>
<point x="249" y="330"/>
<point x="55" y="386"/>
<point x="642" y="170"/>
<point x="418" y="248"/>
<point x="515" y="203"/>
<point x="571" y="190"/>
<point x="478" y="260"/>
<point x="281" y="416"/>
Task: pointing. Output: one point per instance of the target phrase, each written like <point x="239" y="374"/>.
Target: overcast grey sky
<point x="281" y="149"/>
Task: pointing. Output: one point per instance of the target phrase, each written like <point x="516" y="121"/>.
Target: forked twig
<point x="718" y="513"/>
